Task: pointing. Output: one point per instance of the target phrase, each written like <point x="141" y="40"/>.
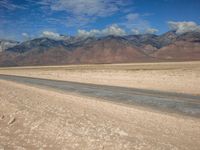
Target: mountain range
<point x="108" y="49"/>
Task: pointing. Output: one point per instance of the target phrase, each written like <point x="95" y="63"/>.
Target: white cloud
<point x="133" y="20"/>
<point x="91" y="33"/>
<point x="10" y="5"/>
<point x="111" y="30"/>
<point x="136" y="31"/>
<point x="26" y="36"/>
<point x="83" y="7"/>
<point x="51" y="35"/>
<point x="132" y="17"/>
<point x="80" y="10"/>
<point x="151" y="31"/>
<point x="114" y="30"/>
<point x="137" y="25"/>
<point x="183" y="27"/>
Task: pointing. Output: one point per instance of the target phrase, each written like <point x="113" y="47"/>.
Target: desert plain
<point x="42" y="118"/>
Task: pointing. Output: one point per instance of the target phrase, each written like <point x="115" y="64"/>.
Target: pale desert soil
<point x="180" y="77"/>
<point x="33" y="118"/>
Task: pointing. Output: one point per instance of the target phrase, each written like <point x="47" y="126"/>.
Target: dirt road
<point x="170" y="102"/>
<point x="179" y="77"/>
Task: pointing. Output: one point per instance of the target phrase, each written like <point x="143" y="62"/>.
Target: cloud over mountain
<point x="110" y="30"/>
<point x="136" y="31"/>
<point x="51" y="35"/>
<point x="183" y="27"/>
<point x="151" y="31"/>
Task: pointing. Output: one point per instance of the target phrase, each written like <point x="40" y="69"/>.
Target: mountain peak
<point x="108" y="49"/>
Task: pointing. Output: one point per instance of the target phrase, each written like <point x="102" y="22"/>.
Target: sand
<point x="179" y="77"/>
<point x="34" y="118"/>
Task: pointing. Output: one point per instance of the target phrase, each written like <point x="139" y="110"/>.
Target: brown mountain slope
<point x="53" y="56"/>
<point x="111" y="50"/>
<point x="180" y="50"/>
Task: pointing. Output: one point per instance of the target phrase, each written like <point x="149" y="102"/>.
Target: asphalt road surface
<point x="162" y="101"/>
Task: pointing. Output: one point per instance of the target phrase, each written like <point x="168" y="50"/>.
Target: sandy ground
<point x="180" y="77"/>
<point x="33" y="118"/>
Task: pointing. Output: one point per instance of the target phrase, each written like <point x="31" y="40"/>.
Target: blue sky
<point x="24" y="19"/>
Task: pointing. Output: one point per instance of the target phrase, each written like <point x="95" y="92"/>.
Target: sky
<point x="26" y="19"/>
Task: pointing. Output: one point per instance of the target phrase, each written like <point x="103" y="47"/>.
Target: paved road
<point x="170" y="102"/>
